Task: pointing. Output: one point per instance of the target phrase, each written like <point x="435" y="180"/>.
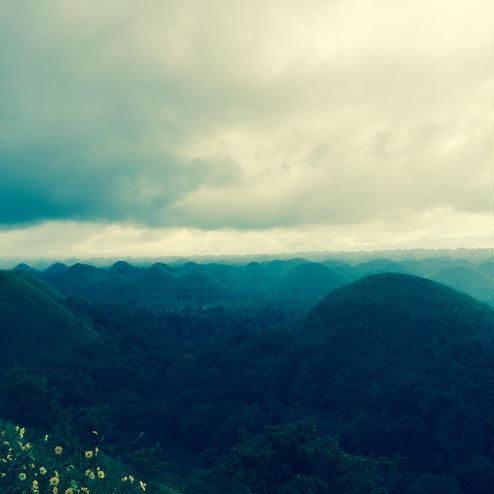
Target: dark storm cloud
<point x="42" y="183"/>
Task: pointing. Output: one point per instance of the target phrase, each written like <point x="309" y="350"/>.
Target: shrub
<point x="35" y="463"/>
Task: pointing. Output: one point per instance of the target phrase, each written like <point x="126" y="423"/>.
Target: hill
<point x="310" y="277"/>
<point x="467" y="279"/>
<point x="157" y="278"/>
<point x="57" y="267"/>
<point x="487" y="268"/>
<point x="122" y="268"/>
<point x="78" y="278"/>
<point x="40" y="284"/>
<point x="34" y="327"/>
<point x="24" y="267"/>
<point x="391" y="301"/>
<point x="198" y="286"/>
<point x="377" y="266"/>
<point x="394" y="363"/>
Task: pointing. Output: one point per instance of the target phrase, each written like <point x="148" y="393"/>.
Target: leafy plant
<point x="33" y="463"/>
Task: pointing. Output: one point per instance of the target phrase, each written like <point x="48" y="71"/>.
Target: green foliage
<point x="27" y="399"/>
<point x="434" y="342"/>
<point x="34" y="463"/>
<point x="35" y="328"/>
<point x="293" y="459"/>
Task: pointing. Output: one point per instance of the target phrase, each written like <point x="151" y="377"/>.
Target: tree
<point x="294" y="459"/>
<point x="27" y="399"/>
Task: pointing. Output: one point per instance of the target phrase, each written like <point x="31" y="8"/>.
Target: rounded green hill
<point x="34" y="326"/>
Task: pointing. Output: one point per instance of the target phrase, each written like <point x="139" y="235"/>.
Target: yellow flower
<point x="4" y="460"/>
<point x="46" y="437"/>
<point x="55" y="490"/>
<point x="2" y="474"/>
<point x="142" y="484"/>
<point x="95" y="433"/>
<point x="21" y="432"/>
<point x="131" y="478"/>
<point x="35" y="484"/>
<point x="58" y="450"/>
<point x="90" y="474"/>
<point x="32" y="465"/>
<point x="85" y="489"/>
<point x="22" y="476"/>
<point x="54" y="481"/>
<point x="88" y="454"/>
<point x="42" y="470"/>
<point x="124" y="479"/>
<point x="69" y="491"/>
<point x="101" y="474"/>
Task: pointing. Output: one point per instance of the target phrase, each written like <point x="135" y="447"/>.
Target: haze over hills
<point x="467" y="279"/>
<point x="308" y="277"/>
<point x="473" y="275"/>
<point x="475" y="256"/>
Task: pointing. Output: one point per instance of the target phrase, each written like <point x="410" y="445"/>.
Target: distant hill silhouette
<point x="378" y="266"/>
<point x="122" y="267"/>
<point x="157" y="278"/>
<point x="79" y="278"/>
<point x="34" y="327"/>
<point x="198" y="286"/>
<point x="57" y="267"/>
<point x="25" y="267"/>
<point x="86" y="274"/>
<point x="487" y="268"/>
<point x="311" y="277"/>
<point x="278" y="267"/>
<point x="467" y="279"/>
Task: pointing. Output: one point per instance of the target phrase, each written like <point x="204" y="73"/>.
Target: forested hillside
<point x="276" y="376"/>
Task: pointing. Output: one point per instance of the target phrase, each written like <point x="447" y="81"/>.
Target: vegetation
<point x="34" y="324"/>
<point x="245" y="385"/>
<point x="33" y="463"/>
<point x="293" y="459"/>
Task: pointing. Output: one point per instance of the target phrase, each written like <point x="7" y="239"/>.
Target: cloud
<point x="244" y="116"/>
<point x="437" y="229"/>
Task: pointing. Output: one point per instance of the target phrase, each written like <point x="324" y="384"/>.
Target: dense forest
<point x="282" y="376"/>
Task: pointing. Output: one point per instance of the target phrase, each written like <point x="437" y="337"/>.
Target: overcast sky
<point x="199" y="127"/>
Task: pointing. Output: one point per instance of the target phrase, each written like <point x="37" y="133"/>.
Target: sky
<point x="230" y="127"/>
